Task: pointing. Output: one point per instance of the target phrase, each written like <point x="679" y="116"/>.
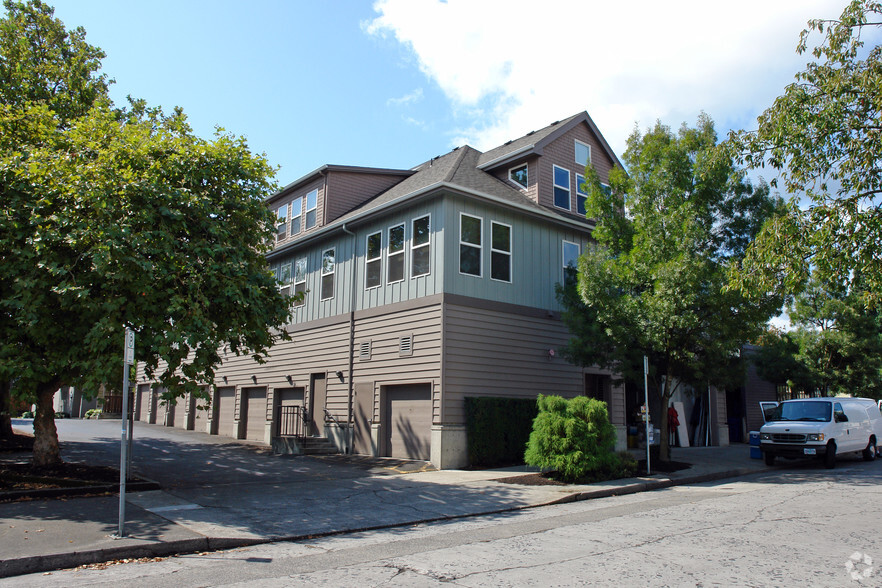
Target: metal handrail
<point x="328" y="415"/>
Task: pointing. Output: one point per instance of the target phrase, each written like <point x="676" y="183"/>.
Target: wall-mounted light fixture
<point x="290" y="379"/>
<point x="339" y="374"/>
<point x="254" y="379"/>
<point x="551" y="354"/>
<point x="226" y="380"/>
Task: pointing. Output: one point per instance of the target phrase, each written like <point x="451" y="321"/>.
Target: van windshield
<point x="797" y="410"/>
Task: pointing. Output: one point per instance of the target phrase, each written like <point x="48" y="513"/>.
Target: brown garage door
<point x="144" y="398"/>
<point x="364" y="414"/>
<point x="225" y="411"/>
<point x="255" y="415"/>
<point x="409" y="421"/>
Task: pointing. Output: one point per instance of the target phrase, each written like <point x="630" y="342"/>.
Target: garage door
<point x="144" y="398"/>
<point x="200" y="417"/>
<point x="225" y="410"/>
<point x="409" y="418"/>
<point x="179" y="410"/>
<point x="255" y="417"/>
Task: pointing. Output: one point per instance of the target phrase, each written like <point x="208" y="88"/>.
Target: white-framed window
<point x="571" y="252"/>
<point x="420" y="247"/>
<point x="300" y="279"/>
<point x="583" y="153"/>
<point x="283" y="275"/>
<point x="561" y="187"/>
<point x="311" y="206"/>
<point x="373" y="264"/>
<point x="282" y="223"/>
<point x="296" y="215"/>
<point x="470" y="229"/>
<point x="518" y="175"/>
<point x="328" y="269"/>
<point x="500" y="252"/>
<point x="395" y="254"/>
<point x="581" y="194"/>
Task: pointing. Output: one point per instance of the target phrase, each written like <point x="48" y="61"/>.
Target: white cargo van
<point x="820" y="427"/>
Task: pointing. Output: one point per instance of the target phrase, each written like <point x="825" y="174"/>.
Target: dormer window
<point x="583" y="154"/>
<point x="296" y="212"/>
<point x="282" y="224"/>
<point x="562" y="188"/>
<point x="518" y="175"/>
<point x="311" y="205"/>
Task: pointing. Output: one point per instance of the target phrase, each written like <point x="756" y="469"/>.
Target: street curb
<point x="75" y="491"/>
<point x="45" y="563"/>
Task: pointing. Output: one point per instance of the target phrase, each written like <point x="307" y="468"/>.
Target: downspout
<point x="349" y="423"/>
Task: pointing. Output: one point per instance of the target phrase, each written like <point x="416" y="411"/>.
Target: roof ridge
<point x="461" y="153"/>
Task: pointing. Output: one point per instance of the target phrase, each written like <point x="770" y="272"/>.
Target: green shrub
<point x="572" y="437"/>
<point x="93" y="413"/>
<point x="27" y="415"/>
<point x="497" y="429"/>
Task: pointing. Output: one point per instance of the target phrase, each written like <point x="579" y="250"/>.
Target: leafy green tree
<point x="654" y="282"/>
<point x="124" y="218"/>
<point x="834" y="348"/>
<point x="822" y="136"/>
<point x="572" y="436"/>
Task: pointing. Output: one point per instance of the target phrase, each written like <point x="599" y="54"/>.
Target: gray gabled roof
<point x="535" y="141"/>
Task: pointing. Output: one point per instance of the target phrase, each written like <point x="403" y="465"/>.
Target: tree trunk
<point x="46" y="450"/>
<point x="664" y="451"/>
<point x="5" y="407"/>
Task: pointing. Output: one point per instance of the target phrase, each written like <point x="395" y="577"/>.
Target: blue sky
<point x="395" y="82"/>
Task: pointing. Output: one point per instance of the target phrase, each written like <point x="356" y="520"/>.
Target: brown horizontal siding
<point x="386" y="366"/>
<point x="491" y="353"/>
<point x="346" y="190"/>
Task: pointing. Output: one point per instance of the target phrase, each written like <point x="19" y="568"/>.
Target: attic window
<point x="311" y="205"/>
<point x="518" y="175"/>
<point x="364" y="351"/>
<point x="405" y="346"/>
<point x="583" y="154"/>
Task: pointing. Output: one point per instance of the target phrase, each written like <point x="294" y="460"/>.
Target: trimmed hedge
<point x="498" y="429"/>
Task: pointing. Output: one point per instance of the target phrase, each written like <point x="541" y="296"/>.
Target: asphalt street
<point x="800" y="525"/>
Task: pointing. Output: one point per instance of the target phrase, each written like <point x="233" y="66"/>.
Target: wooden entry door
<point x="364" y="412"/>
<point x="318" y="393"/>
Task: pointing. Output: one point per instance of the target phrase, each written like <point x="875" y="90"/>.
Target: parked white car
<point x="820" y="427"/>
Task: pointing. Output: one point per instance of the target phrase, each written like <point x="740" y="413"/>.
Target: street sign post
<point x="128" y="360"/>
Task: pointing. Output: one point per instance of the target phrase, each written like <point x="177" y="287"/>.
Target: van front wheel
<point x="870" y="452"/>
<point x="830" y="456"/>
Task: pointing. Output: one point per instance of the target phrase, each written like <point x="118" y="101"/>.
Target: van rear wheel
<point x="830" y="456"/>
<point x="870" y="452"/>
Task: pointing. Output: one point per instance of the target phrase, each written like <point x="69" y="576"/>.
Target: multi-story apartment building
<point x="422" y="286"/>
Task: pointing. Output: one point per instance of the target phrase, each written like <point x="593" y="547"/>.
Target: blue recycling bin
<point x="754" y="439"/>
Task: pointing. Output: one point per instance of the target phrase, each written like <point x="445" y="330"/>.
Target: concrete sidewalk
<point x="43" y="535"/>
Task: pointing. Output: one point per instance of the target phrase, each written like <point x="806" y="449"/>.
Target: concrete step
<point x="304" y="446"/>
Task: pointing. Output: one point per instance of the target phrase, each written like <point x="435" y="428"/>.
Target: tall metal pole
<point x="646" y="400"/>
<point x="128" y="359"/>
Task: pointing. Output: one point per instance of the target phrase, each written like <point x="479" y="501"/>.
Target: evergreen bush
<point x="573" y="437"/>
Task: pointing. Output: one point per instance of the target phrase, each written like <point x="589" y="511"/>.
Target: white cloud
<point x="511" y="66"/>
<point x="407" y="99"/>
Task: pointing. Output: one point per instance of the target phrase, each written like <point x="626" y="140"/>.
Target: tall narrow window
<point x="581" y="194"/>
<point x="518" y="175"/>
<point x="395" y="256"/>
<point x="328" y="268"/>
<point x="282" y="224"/>
<point x="420" y="249"/>
<point x="373" y="265"/>
<point x="500" y="252"/>
<point x="583" y="154"/>
<point x="284" y="277"/>
<point x="311" y="206"/>
<point x="296" y="212"/>
<point x="470" y="245"/>
<point x="300" y="279"/>
<point x="571" y="253"/>
<point x="562" y="188"/>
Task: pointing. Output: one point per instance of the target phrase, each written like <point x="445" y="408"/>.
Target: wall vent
<point x="405" y="346"/>
<point x="364" y="351"/>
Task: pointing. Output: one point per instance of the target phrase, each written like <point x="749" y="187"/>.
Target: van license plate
<point x="809" y="451"/>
